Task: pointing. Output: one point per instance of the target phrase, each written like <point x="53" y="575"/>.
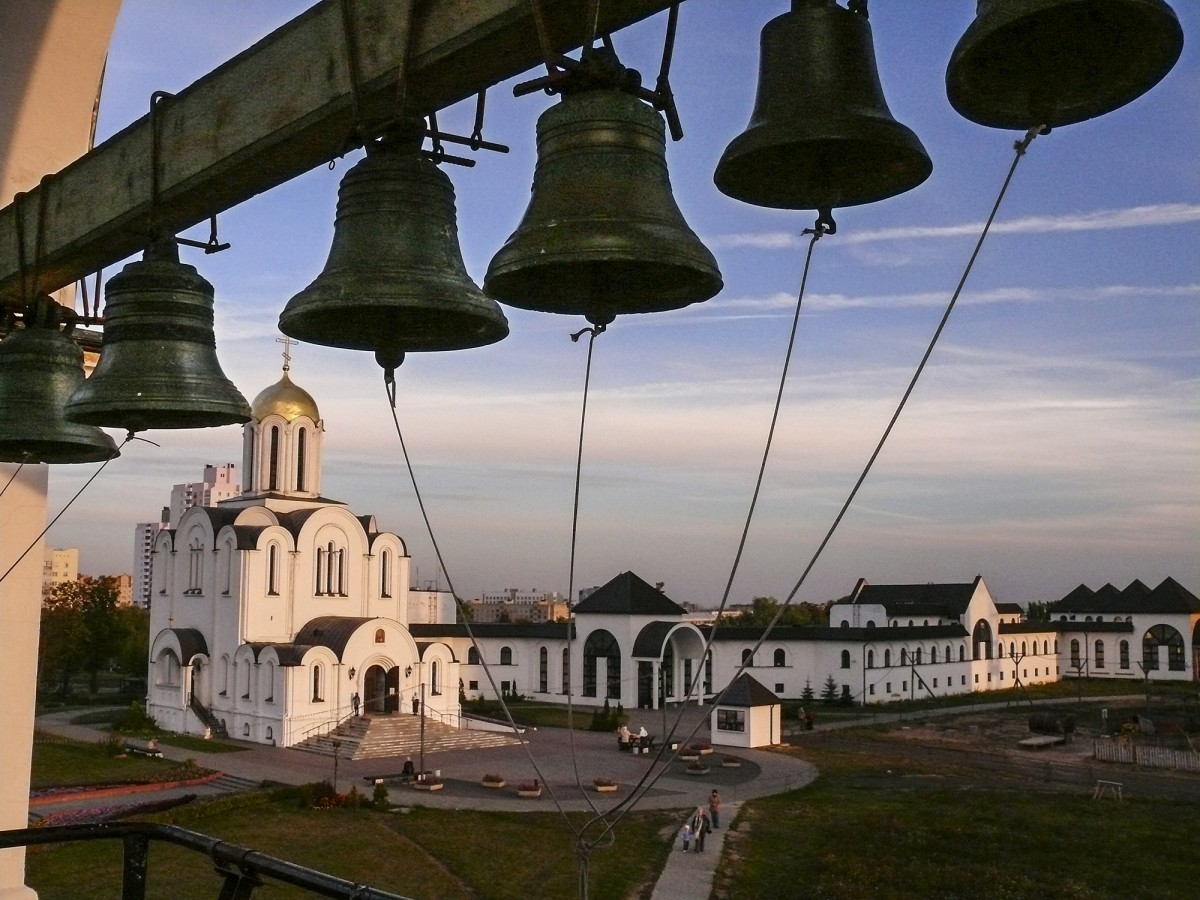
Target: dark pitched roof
<point x="649" y="642"/>
<point x="191" y="643"/>
<point x="917" y="599"/>
<point x="1009" y="609"/>
<point x="542" y="630"/>
<point x="329" y="631"/>
<point x="629" y="595"/>
<point x="289" y="654"/>
<point x="843" y="635"/>
<point x="746" y="691"/>
<point x="1169" y="597"/>
<point x="219" y="517"/>
<point x="247" y="536"/>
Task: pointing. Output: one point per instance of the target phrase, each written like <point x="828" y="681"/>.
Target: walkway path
<point x="762" y="773"/>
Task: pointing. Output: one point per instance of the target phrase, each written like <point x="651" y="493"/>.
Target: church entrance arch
<point x="381" y="689"/>
<point x="1196" y="652"/>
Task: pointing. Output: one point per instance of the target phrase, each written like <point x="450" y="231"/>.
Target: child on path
<point x="686" y="836"/>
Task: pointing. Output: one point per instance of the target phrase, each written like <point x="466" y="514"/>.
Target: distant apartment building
<point x="219" y="483"/>
<point x="144" y="534"/>
<point x="516" y="605"/>
<point x="124" y="589"/>
<point x="59" y="566"/>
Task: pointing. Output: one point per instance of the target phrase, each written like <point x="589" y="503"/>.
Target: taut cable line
<point x="1019" y="147"/>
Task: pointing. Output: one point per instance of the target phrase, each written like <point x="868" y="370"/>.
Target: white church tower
<point x="274" y="611"/>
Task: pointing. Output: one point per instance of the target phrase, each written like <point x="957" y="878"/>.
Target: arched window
<point x="195" y="566"/>
<point x="999" y="649"/>
<point x="472" y="656"/>
<point x="780" y="658"/>
<point x="246" y="729"/>
<point x="1160" y="636"/>
<point x="870" y="659"/>
<point x="887" y="659"/>
<point x="318" y="683"/>
<point x="1023" y="651"/>
<point x="269" y="683"/>
<point x="380" y="636"/>
<point x="543" y="670"/>
<point x="904" y="656"/>
<point x="224" y="676"/>
<point x="273" y="462"/>
<point x="845" y="659"/>
<point x="748" y="658"/>
<point x="933" y="654"/>
<point x="1012" y="649"/>
<point x="1075" y="658"/>
<point x="566" y="670"/>
<point x="1098" y="655"/>
<point x="506" y="656"/>
<point x="1124" y="654"/>
<point x="917" y="655"/>
<point x="273" y="570"/>
<point x="981" y="640"/>
<point x="962" y="653"/>
<point x="385" y="573"/>
<point x="1045" y="648"/>
<point x="435" y="678"/>
<point x="601" y="643"/>
<point x="270" y="733"/>
<point x="301" y="447"/>
<point x="168" y="668"/>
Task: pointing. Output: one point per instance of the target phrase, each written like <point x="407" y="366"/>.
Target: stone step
<point x="378" y="737"/>
<point x="234" y="784"/>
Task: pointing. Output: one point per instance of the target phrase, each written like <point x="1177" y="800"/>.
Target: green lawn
<point x="878" y="825"/>
<point x="421" y="853"/>
<point x="58" y="763"/>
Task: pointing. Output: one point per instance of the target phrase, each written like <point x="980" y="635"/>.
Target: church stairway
<point x="378" y="737"/>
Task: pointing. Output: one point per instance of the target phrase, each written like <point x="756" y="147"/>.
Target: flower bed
<point x="730" y="762"/>
<point x="604" y="785"/>
<point x="697" y="768"/>
<point x="530" y="789"/>
<point x="493" y="781"/>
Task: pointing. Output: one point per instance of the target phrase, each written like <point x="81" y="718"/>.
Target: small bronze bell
<point x="821" y="135"/>
<point x="395" y="280"/>
<point x="40" y="368"/>
<point x="602" y="235"/>
<point x="158" y="365"/>
<point x="1024" y="63"/>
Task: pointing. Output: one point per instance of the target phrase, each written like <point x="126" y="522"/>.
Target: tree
<point x="81" y="631"/>
<point x="829" y="693"/>
<point x="763" y="610"/>
<point x="1039" y="612"/>
<point x="807" y="694"/>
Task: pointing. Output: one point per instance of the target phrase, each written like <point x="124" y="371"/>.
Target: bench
<point x="142" y="748"/>
<point x="1107" y="788"/>
<point x="401" y="777"/>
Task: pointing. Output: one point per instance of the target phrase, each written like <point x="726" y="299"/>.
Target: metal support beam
<point x="279" y="109"/>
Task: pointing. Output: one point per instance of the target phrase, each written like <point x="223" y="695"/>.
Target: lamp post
<point x="421" y="711"/>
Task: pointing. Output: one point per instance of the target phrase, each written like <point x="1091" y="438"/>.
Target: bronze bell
<point x="40" y="368"/>
<point x="821" y="135"/>
<point x="1024" y="63"/>
<point x="158" y="365"/>
<point x="395" y="279"/>
<point x="602" y="234"/>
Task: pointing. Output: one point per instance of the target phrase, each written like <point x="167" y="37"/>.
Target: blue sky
<point x="1053" y="439"/>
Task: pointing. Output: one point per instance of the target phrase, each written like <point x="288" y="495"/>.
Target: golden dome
<point x="284" y="399"/>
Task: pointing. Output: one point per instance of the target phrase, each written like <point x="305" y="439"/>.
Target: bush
<point x="379" y="798"/>
<point x="603" y="719"/>
<point x="829" y="693"/>
<point x="136" y="721"/>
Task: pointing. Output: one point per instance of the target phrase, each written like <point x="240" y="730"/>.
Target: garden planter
<point x="605" y="788"/>
<point x="697" y="770"/>
<point x="427" y="785"/>
<point x="531" y="793"/>
<point x="494" y="785"/>
<point x="731" y="763"/>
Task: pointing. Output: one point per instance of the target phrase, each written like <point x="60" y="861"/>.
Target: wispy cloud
<point x="1156" y="215"/>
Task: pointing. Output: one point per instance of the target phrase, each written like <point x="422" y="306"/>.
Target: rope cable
<point x="42" y="534"/>
<point x="390" y="387"/>
<point x="639" y="791"/>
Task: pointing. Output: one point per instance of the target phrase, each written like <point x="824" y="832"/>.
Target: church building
<point x="273" y="609"/>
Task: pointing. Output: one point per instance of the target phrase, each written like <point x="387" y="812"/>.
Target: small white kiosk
<point x="748" y="715"/>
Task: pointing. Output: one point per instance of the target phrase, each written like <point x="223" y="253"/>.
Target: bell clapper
<point x="390" y="361"/>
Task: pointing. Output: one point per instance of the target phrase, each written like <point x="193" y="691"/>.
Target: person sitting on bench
<point x="409" y="770"/>
<point x="624" y="738"/>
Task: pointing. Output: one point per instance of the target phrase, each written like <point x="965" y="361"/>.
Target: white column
<point x="22" y="516"/>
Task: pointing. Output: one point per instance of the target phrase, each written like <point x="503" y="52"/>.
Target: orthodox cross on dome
<point x="287" y="350"/>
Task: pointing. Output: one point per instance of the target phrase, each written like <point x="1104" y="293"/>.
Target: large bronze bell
<point x="602" y="234"/>
<point x="395" y="280"/>
<point x="40" y="368"/>
<point x="158" y="365"/>
<point x="821" y="135"/>
<point x="1024" y="63"/>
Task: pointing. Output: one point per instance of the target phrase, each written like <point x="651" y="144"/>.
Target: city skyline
<point x="1052" y="440"/>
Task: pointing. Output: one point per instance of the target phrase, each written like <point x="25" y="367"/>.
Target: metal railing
<point x="239" y="869"/>
<point x="325" y="726"/>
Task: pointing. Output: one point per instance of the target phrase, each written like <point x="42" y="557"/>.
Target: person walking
<point x="714" y="808"/>
<point x="416" y="705"/>
<point x="700" y="828"/>
<point x="686" y="836"/>
<point x="354" y="701"/>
